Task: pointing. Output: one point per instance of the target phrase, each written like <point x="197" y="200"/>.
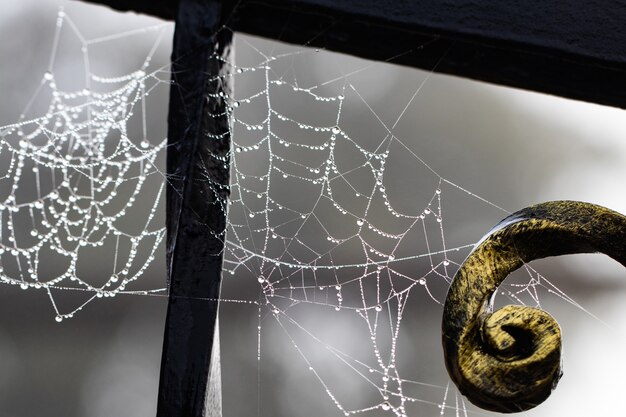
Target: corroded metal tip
<point x="510" y="360"/>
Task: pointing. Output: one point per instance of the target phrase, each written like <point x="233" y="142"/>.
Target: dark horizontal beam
<point x="164" y="9"/>
<point x="562" y="47"/>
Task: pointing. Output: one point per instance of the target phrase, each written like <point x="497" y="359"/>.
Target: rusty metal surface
<point x="510" y="360"/>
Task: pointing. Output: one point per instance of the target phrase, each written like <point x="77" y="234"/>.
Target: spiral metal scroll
<point x="510" y="360"/>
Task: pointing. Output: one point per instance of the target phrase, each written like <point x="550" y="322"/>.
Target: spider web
<point x="75" y="174"/>
<point x="318" y="222"/>
<point x="338" y="229"/>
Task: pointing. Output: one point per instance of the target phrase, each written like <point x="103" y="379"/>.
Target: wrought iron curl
<point x="510" y="360"/>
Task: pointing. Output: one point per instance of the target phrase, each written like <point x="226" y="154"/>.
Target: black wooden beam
<point x="197" y="196"/>
<point x="568" y="48"/>
<point x="165" y="9"/>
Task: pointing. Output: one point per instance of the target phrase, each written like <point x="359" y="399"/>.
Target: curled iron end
<point x="510" y="360"/>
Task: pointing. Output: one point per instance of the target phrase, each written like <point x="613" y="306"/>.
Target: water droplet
<point x="385" y="406"/>
<point x="58" y="319"/>
<point x="261" y="279"/>
<point x="335" y="130"/>
<point x="378" y="308"/>
<point x="359" y="222"/>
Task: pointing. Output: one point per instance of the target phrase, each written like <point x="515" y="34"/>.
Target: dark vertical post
<point x="198" y="158"/>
